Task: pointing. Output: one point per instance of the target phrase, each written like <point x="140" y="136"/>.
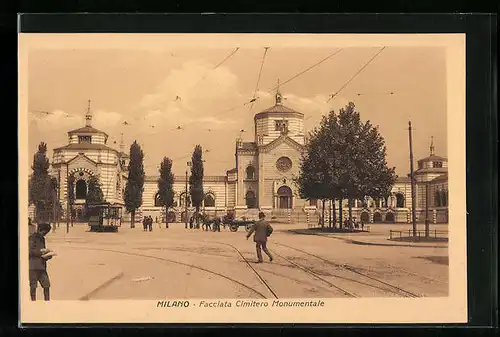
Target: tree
<point x="71" y="196"/>
<point x="41" y="186"/>
<point x="135" y="181"/>
<point x="313" y="173"/>
<point x="364" y="171"/>
<point x="94" y="194"/>
<point x="54" y="185"/>
<point x="165" y="186"/>
<point x="196" y="180"/>
<point x="346" y="158"/>
<point x="319" y="174"/>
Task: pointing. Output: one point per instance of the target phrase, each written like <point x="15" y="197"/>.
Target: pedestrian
<point x="150" y="223"/>
<point x="38" y="257"/>
<point x="145" y="223"/>
<point x="362" y="225"/>
<point x="262" y="230"/>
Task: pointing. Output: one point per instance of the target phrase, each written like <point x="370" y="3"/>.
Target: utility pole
<point x="186" y="197"/>
<point x="427" y="209"/>
<point x="67" y="198"/>
<point x="412" y="181"/>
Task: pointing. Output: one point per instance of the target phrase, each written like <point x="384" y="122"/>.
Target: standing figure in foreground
<point x="38" y="257"/>
<point x="262" y="230"/>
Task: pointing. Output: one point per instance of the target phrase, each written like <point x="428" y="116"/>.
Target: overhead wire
<point x="355" y="74"/>
<point x="274" y="88"/>
<point x="306" y="70"/>
<point x="258" y="78"/>
<point x="217" y="66"/>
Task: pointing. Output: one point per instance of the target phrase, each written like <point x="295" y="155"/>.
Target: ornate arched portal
<point x="80" y="189"/>
<point x="284" y="197"/>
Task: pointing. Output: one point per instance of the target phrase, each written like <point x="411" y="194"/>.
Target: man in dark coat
<point x="38" y="261"/>
<point x="262" y="230"/>
<point x="150" y="223"/>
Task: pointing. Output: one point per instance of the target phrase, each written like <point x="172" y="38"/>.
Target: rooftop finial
<point x="278" y="94"/>
<point x="88" y="116"/>
<point x="432" y="146"/>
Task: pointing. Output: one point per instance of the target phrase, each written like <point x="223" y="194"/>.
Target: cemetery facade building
<point x="261" y="180"/>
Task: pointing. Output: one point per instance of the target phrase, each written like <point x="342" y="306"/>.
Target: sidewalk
<point x="370" y="239"/>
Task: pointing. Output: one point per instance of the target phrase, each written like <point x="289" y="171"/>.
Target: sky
<point x="140" y="86"/>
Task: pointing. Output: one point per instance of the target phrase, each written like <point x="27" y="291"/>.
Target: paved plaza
<point x="186" y="263"/>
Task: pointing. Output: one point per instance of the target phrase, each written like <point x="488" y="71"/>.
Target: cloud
<point x="188" y="94"/>
<point x="56" y="120"/>
<point x="106" y="119"/>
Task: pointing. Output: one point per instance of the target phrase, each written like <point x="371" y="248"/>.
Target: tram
<point x="104" y="217"/>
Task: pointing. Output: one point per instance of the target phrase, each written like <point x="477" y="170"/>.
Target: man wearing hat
<point x="38" y="257"/>
<point x="262" y="230"/>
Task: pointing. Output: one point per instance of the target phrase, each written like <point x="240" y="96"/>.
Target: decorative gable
<point x="283" y="139"/>
<point x="82" y="161"/>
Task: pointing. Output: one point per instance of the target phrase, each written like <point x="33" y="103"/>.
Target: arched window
<point x="81" y="189"/>
<point x="209" y="200"/>
<point x="437" y="198"/>
<point x="250" y="199"/>
<point x="444" y="198"/>
<point x="158" y="200"/>
<point x="400" y="200"/>
<point x="250" y="172"/>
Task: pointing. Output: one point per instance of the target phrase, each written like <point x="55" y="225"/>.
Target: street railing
<point x="420" y="233"/>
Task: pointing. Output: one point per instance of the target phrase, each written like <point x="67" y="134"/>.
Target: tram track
<point x="178" y="263"/>
<point x="315" y="275"/>
<point x="262" y="279"/>
<point x="392" y="288"/>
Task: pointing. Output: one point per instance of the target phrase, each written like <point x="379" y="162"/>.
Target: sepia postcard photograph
<point x="242" y="178"/>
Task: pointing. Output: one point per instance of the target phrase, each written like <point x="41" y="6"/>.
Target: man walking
<point x="262" y="230"/>
<point x="150" y="223"/>
<point x="38" y="257"/>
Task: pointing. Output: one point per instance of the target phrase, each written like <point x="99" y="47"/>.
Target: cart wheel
<point x="247" y="227"/>
<point x="214" y="227"/>
<point x="233" y="228"/>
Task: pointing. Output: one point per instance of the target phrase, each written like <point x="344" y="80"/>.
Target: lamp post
<point x="412" y="181"/>
<point x="186" y="197"/>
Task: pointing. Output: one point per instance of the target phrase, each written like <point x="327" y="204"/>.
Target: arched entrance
<point x="251" y="200"/>
<point x="284" y="197"/>
<point x="389" y="217"/>
<point x="365" y="217"/>
<point x="377" y="217"/>
<point x="81" y="189"/>
<point x="183" y="217"/>
<point x="171" y="217"/>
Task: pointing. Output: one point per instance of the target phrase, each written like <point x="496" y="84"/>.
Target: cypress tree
<point x="135" y="181"/>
